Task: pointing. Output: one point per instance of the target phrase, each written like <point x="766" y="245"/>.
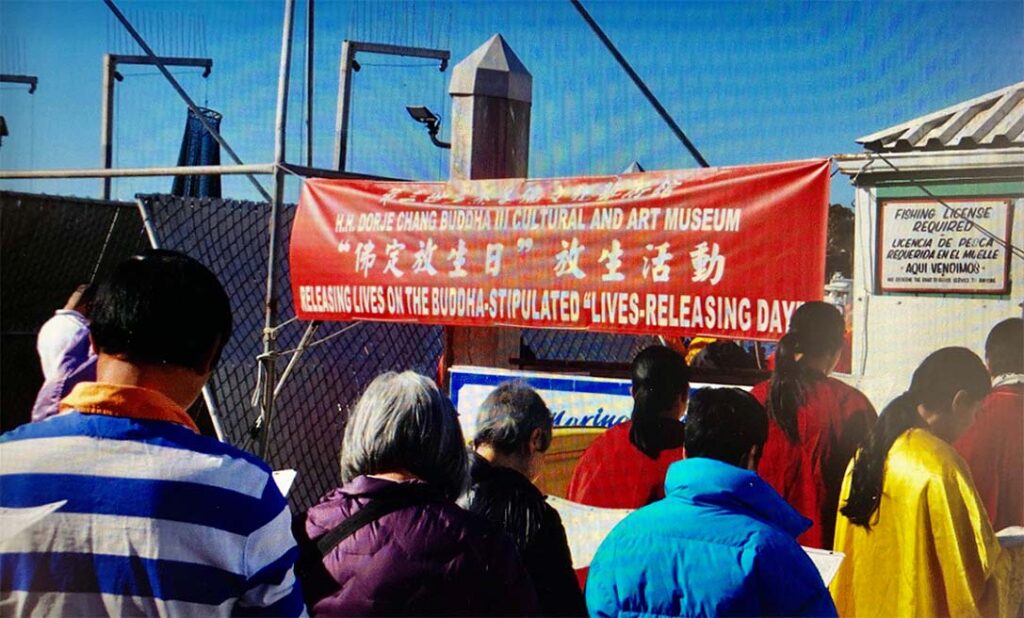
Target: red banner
<point x="725" y="251"/>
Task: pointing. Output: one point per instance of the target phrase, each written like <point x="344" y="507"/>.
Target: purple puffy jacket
<point x="429" y="560"/>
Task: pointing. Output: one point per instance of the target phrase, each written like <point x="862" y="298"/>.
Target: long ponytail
<point x="869" y="465"/>
<point x="936" y="382"/>
<point x="816" y="328"/>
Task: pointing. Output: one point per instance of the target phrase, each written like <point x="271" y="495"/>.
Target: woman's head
<point x="661" y="383"/>
<point x="947" y="390"/>
<point x="515" y="423"/>
<point x="809" y="350"/>
<point x="402" y="423"/>
<point x="815" y="332"/>
<point x="944" y="395"/>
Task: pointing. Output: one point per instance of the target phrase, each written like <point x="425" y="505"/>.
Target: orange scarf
<point x="125" y="402"/>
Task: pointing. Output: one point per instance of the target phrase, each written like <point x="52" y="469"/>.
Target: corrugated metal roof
<point x="994" y="120"/>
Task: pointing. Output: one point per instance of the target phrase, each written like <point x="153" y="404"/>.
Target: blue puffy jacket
<point x="721" y="543"/>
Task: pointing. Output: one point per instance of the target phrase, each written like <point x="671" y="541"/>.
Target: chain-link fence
<point x="48" y="246"/>
<point x="230" y="237"/>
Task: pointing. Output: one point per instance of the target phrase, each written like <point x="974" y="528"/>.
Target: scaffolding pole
<point x="190" y="170"/>
<point x="310" y="31"/>
<point x="181" y="93"/>
<point x="268" y="360"/>
<point x="124" y="172"/>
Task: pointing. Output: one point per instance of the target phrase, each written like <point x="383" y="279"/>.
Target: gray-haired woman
<point x="513" y="433"/>
<point x="391" y="540"/>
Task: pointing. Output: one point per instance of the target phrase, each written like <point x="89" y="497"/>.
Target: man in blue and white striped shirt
<point x="117" y="505"/>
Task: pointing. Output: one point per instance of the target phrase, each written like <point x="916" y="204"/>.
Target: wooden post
<point x="491" y="94"/>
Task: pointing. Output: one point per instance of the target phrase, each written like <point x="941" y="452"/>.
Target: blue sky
<point x="748" y="82"/>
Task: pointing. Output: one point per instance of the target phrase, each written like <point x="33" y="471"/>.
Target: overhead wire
<point x="651" y="98"/>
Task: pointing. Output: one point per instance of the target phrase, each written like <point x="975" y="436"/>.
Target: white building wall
<point x="893" y="333"/>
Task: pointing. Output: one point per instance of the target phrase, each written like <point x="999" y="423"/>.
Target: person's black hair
<point x="660" y="379"/>
<point x="161" y="307"/>
<point x="724" y="424"/>
<point x="508" y="417"/>
<point x="936" y="382"/>
<point x="1004" y="347"/>
<point x="723" y="354"/>
<point x="815" y="329"/>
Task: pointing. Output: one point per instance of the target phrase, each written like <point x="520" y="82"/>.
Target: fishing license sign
<point x="945" y="246"/>
<point x="728" y="251"/>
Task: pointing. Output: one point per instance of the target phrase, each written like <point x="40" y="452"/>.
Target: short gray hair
<point x="403" y="422"/>
<point x="508" y="417"/>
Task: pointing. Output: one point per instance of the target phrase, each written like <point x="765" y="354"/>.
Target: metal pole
<point x="208" y="395"/>
<point x="210" y="398"/>
<point x="315" y="172"/>
<point x="640" y="84"/>
<point x="294" y="360"/>
<point x="310" y="30"/>
<point x="269" y="357"/>
<point x="107" y="122"/>
<point x="177" y="61"/>
<point x="181" y="92"/>
<point x="30" y="80"/>
<point x="344" y="97"/>
<point x="184" y="170"/>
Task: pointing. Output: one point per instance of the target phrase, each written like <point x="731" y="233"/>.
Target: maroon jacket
<point x="994" y="449"/>
<point x="428" y="560"/>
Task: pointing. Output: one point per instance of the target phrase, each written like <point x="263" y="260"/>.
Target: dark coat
<point x="510" y="501"/>
<point x="428" y="560"/>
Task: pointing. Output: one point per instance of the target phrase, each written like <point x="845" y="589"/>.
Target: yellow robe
<point x="931" y="550"/>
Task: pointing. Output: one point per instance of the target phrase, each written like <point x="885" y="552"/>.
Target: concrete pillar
<point x="491" y="94"/>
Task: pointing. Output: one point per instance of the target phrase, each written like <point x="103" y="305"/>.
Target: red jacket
<point x="612" y="473"/>
<point x="994" y="450"/>
<point x="833" y="421"/>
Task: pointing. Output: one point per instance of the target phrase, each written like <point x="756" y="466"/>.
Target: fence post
<point x="491" y="94"/>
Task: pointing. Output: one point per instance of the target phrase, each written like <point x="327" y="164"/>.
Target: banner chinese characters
<point x="728" y="251"/>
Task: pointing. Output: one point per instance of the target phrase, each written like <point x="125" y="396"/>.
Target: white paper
<point x="14" y="521"/>
<point x="284" y="480"/>
<point x="585" y="527"/>
<point x="827" y="562"/>
<point x="1011" y="536"/>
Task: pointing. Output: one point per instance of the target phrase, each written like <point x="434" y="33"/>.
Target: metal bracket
<point x="110" y="64"/>
<point x="349" y="64"/>
<point x="31" y="80"/>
